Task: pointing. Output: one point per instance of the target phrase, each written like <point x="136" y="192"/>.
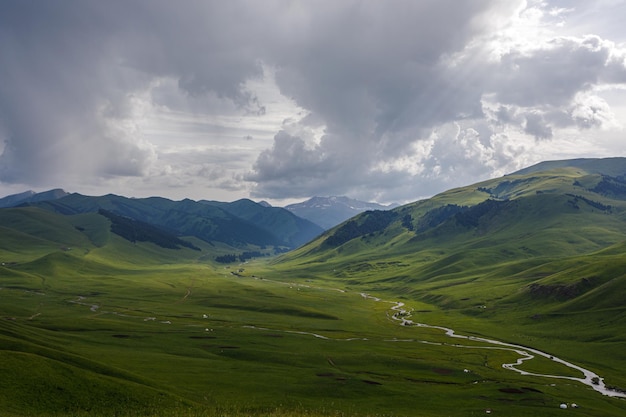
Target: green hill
<point x="237" y="224"/>
<point x="585" y="208"/>
<point x="106" y="313"/>
<point x="613" y="167"/>
<point x="187" y="218"/>
<point x="293" y="230"/>
<point x="521" y="256"/>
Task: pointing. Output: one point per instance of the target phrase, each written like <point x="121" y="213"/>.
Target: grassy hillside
<point x="236" y="224"/>
<point x="291" y="229"/>
<point x="83" y="337"/>
<point x="517" y="257"/>
<point x="92" y="323"/>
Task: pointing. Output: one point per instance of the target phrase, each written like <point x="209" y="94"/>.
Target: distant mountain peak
<point x="332" y="210"/>
<point x="32" y="197"/>
<point x="569" y="202"/>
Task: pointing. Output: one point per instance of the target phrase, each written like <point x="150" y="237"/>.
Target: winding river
<point x="591" y="379"/>
<point x="403" y="316"/>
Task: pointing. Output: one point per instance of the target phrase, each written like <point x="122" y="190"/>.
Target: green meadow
<point x="84" y="337"/>
<point x="94" y="325"/>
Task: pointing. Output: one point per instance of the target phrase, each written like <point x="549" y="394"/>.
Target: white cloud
<point x="280" y="99"/>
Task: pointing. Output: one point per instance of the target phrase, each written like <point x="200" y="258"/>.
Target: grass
<point x="81" y="338"/>
<point x="93" y="325"/>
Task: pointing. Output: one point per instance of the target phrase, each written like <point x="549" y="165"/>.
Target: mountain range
<point x="238" y="224"/>
<point x="31" y="197"/>
<point x="235" y="223"/>
<point x="140" y="287"/>
<point x="556" y="229"/>
<point x="584" y="199"/>
<point x="581" y="183"/>
<point x="328" y="212"/>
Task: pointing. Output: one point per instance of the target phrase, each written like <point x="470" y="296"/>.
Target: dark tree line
<point x="138" y="231"/>
<point x="369" y="222"/>
<point x="592" y="203"/>
<point x="233" y="257"/>
<point x="437" y="216"/>
<point x="611" y="186"/>
<point x="471" y="216"/>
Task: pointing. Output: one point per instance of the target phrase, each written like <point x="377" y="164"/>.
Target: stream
<point x="403" y="316"/>
<point x="591" y="379"/>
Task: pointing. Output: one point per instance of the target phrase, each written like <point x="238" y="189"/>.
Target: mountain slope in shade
<point x="208" y="222"/>
<point x="15" y="199"/>
<point x="331" y="211"/>
<point x="31" y="197"/>
<point x="294" y="230"/>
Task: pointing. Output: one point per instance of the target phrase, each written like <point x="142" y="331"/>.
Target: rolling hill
<point x="534" y="205"/>
<point x="256" y="225"/>
<point x="530" y="251"/>
<point x="107" y="308"/>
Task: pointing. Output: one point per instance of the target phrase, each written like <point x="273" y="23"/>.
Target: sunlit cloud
<point x="280" y="100"/>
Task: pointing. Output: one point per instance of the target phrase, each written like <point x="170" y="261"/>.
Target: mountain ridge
<point x="535" y="215"/>
<point x="272" y="218"/>
<point x="331" y="211"/>
<point x="589" y="188"/>
<point x="613" y="166"/>
<point x="535" y="260"/>
<point x="312" y="216"/>
<point x="190" y="218"/>
<point x="31" y="197"/>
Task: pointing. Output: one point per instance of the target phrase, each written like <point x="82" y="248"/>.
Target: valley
<point x="501" y="298"/>
<point x="206" y="340"/>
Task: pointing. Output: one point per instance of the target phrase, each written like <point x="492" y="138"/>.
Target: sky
<point x="282" y="100"/>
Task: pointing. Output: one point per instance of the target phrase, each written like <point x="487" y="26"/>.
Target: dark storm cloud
<point x="70" y="70"/>
<point x="375" y="73"/>
<point x="554" y="74"/>
<point x="399" y="88"/>
<point x="362" y="61"/>
<point x="293" y="168"/>
<point x="372" y="67"/>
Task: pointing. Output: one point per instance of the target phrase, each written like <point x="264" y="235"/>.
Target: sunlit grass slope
<point x="536" y="257"/>
<point x="82" y="337"/>
<point x="92" y="324"/>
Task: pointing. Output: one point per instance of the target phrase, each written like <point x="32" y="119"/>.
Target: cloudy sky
<point x="281" y="100"/>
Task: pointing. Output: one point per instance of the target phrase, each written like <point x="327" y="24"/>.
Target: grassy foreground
<point x="83" y="335"/>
